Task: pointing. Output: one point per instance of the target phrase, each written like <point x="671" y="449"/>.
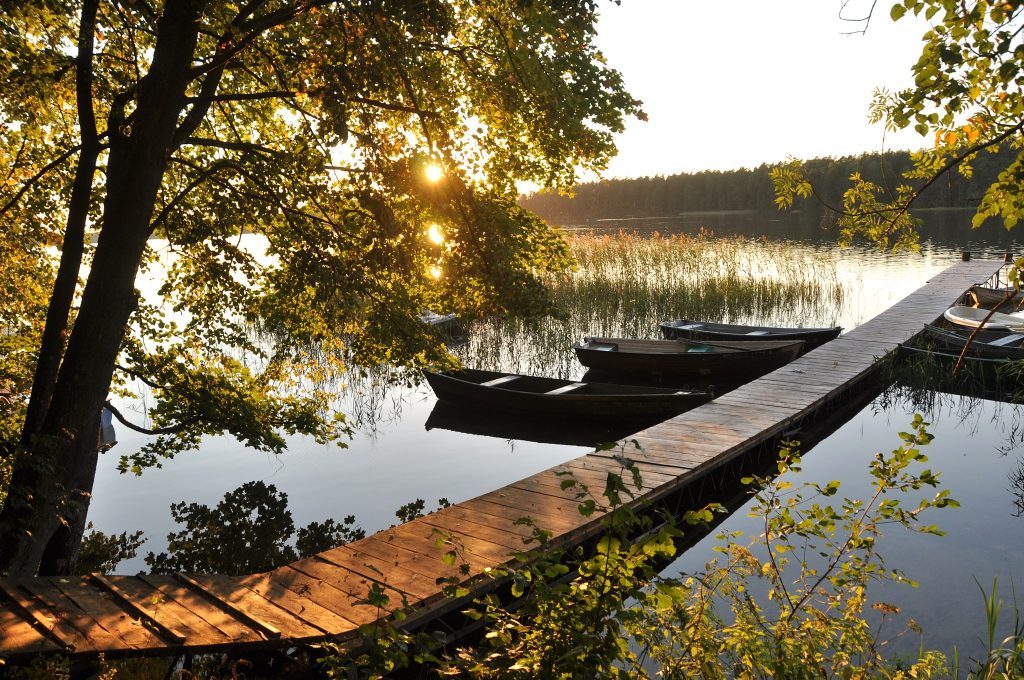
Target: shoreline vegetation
<point x="750" y="190"/>
<point x="625" y="284"/>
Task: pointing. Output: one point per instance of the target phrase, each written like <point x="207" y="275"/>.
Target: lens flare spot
<point x="433" y="172"/>
<point x="435" y="235"/>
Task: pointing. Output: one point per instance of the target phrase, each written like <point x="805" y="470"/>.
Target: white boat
<point x="974" y="317"/>
<point x="432" y="318"/>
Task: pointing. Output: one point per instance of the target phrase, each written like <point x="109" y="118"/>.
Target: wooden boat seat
<point x="500" y="381"/>
<point x="758" y="333"/>
<point x="566" y="388"/>
<point x="690" y="327"/>
<point x="1006" y="340"/>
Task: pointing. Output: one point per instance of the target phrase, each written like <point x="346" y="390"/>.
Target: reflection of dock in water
<point x="318" y="598"/>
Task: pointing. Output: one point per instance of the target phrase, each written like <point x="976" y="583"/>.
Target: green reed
<point x="626" y="284"/>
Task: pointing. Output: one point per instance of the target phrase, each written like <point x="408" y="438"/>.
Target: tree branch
<point x="210" y="172"/>
<point x="138" y="376"/>
<point x="171" y="429"/>
<point x="231" y="146"/>
<point x="866" y="19"/>
<point x="39" y="175"/>
<point x="394" y="107"/>
<point x="280" y="94"/>
<point x="201" y="104"/>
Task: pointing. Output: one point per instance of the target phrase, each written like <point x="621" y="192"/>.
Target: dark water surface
<point x="403" y="452"/>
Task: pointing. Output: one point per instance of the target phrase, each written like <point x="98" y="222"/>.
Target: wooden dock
<point x="318" y="598"/>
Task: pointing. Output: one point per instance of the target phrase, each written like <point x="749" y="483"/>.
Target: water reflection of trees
<point x="250" y="530"/>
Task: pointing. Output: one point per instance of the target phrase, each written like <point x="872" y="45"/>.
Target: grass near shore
<point x="625" y="284"/>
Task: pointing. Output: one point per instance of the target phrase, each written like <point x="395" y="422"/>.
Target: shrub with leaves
<point x="608" y="614"/>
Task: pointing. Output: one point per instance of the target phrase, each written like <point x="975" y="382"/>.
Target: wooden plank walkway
<point x="318" y="598"/>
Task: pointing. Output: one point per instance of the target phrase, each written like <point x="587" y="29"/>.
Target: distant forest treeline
<point x="747" y="189"/>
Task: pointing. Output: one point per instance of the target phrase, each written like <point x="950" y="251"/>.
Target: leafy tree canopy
<point x="967" y="100"/>
<point x="309" y="124"/>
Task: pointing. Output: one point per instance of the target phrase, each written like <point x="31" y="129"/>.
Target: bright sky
<point x="737" y="84"/>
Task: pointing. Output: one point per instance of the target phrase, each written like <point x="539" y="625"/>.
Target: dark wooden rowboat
<point x="987" y="344"/>
<point x="689" y="329"/>
<point x="554" y="397"/>
<point x="1002" y="299"/>
<point x="687" y="358"/>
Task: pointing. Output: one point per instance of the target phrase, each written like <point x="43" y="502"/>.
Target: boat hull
<point x="985" y="344"/>
<point x="975" y="317"/>
<point x="565" y="398"/>
<point x="687" y="358"/>
<point x="1002" y="299"/>
<point x="689" y="329"/>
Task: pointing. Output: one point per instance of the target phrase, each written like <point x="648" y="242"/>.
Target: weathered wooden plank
<point x="595" y="475"/>
<point x="702" y="432"/>
<point x="583" y="490"/>
<point x="530" y="504"/>
<point x="74" y="625"/>
<point x="301" y="597"/>
<point x="478" y="554"/>
<point x="649" y="469"/>
<point x="677" y="462"/>
<point x="504" y="518"/>
<point x="759" y="417"/>
<point x="173" y="591"/>
<point x="401" y="563"/>
<point x="137" y="609"/>
<point x="698" y="448"/>
<point x="392" y="574"/>
<point x="664" y="448"/>
<point x="669" y="447"/>
<point x="197" y="633"/>
<point x="240" y="602"/>
<point x="108" y="614"/>
<point x="783" y="404"/>
<point x="21" y="636"/>
<point x="725" y="430"/>
<point x="497" y="534"/>
<point x="316" y="596"/>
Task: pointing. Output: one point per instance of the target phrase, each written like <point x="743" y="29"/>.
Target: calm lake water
<point x="394" y="458"/>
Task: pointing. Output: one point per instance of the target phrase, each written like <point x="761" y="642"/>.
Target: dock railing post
<point x="965" y="255"/>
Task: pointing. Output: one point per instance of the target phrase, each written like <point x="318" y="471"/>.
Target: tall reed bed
<point x="625" y="284"/>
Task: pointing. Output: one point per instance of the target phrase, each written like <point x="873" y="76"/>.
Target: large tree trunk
<point x="53" y="481"/>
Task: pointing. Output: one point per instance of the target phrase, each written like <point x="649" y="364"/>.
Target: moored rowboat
<point x="687" y="358"/>
<point x="987" y="344"/>
<point x="976" y="317"/>
<point x="704" y="330"/>
<point x="996" y="298"/>
<point x="555" y="397"/>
